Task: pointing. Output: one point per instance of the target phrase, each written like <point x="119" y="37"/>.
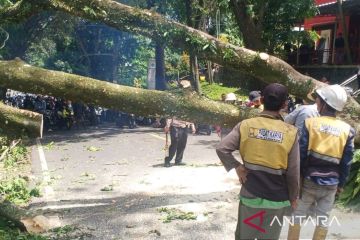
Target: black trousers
<point x="178" y="143"/>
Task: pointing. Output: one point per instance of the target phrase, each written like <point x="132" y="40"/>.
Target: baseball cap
<point x="276" y="93"/>
<point x="254" y="95"/>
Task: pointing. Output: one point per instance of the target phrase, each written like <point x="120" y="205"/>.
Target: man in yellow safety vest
<point x="326" y="152"/>
<point x="270" y="168"/>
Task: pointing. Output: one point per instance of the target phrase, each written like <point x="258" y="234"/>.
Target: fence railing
<point x="324" y="56"/>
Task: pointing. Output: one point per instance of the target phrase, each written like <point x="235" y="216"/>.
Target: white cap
<point x="185" y="83"/>
<point x="334" y="95"/>
<point x="230" y="97"/>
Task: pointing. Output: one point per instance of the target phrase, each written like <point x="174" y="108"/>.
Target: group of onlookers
<point x="284" y="168"/>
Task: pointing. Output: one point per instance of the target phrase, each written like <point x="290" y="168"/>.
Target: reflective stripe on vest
<point x="327" y="138"/>
<point x="265" y="144"/>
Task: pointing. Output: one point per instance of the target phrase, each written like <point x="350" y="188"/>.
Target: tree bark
<point x="210" y="72"/>
<point x="115" y="57"/>
<point x="194" y="69"/>
<point x="345" y="33"/>
<point x="250" y="31"/>
<point x="160" y="81"/>
<point x="16" y="122"/>
<point x="12" y="212"/>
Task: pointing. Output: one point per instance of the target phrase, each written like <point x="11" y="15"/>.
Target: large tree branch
<point x="16" y="122"/>
<point x="20" y="11"/>
<point x="250" y="30"/>
<point x="264" y="67"/>
<point x="22" y="77"/>
<point x="186" y="105"/>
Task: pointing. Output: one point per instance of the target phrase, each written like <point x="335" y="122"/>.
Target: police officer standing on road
<point x="178" y="134"/>
<point x="326" y="152"/>
<point x="270" y="172"/>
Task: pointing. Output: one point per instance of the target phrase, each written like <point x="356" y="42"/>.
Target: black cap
<point x="254" y="95"/>
<point x="276" y="93"/>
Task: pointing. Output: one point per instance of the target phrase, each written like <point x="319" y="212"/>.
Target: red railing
<point x="326" y="56"/>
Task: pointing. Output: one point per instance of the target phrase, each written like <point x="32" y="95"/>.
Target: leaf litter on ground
<point x="175" y="214"/>
<point x="107" y="188"/>
<point x="49" y="146"/>
<point x="93" y="149"/>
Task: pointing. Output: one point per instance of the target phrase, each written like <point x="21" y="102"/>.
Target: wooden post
<point x="345" y="33"/>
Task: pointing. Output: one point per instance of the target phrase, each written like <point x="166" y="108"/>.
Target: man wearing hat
<point x="255" y="100"/>
<point x="326" y="152"/>
<point x="269" y="172"/>
<point x="178" y="133"/>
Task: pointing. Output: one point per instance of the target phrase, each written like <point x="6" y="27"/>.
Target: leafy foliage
<point x="17" y="155"/>
<point x="350" y="197"/>
<point x="272" y="21"/>
<point x="5" y="3"/>
<point x="281" y="17"/>
<point x="15" y="190"/>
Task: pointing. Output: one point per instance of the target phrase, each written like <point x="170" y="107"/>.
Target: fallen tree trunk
<point x="25" y="220"/>
<point x="187" y="105"/>
<point x="15" y="122"/>
<point x="12" y="212"/>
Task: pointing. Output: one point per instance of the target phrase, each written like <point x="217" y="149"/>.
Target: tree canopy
<point x="152" y="25"/>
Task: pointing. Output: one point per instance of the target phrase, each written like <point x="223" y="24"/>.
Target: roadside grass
<point x="14" y="169"/>
<point x="17" y="155"/>
<point x="14" y="186"/>
<point x="214" y="91"/>
<point x="16" y="190"/>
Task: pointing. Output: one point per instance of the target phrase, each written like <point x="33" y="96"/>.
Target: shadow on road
<point x="101" y="133"/>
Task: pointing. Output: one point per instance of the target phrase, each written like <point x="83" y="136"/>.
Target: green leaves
<point x="15" y="190"/>
<point x="49" y="146"/>
<point x="89" y="10"/>
<point x="17" y="155"/>
<point x="5" y="3"/>
<point x="351" y="195"/>
<point x="176" y="214"/>
<point x="93" y="149"/>
<point x="206" y="46"/>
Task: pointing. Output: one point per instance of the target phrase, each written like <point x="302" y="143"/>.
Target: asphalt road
<point x="111" y="183"/>
<point x="82" y="164"/>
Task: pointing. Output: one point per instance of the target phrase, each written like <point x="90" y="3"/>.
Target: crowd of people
<point x="60" y="113"/>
